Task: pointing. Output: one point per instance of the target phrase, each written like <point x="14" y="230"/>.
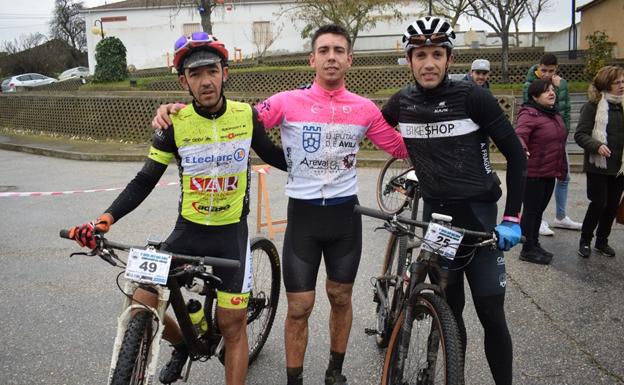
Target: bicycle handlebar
<point x="212" y="261"/>
<point x="423" y="225"/>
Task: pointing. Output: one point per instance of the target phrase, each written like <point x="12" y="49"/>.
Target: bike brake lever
<point x="91" y="254"/>
<point x="106" y="255"/>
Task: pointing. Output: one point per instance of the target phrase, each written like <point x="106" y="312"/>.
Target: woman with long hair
<point x="600" y="132"/>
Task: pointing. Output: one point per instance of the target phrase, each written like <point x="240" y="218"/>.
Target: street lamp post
<point x="572" y="48"/>
<point x="101" y="27"/>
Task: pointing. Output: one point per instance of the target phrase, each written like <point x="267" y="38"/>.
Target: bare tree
<point x="68" y="25"/>
<point x="203" y="7"/>
<point x="498" y="14"/>
<point x="534" y="8"/>
<point x="450" y="9"/>
<point x="516" y="21"/>
<point x="354" y="16"/>
<point x="22" y="43"/>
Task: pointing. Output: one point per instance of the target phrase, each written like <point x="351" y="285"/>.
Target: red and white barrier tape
<point x="55" y="193"/>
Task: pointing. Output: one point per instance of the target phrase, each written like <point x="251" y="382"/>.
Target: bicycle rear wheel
<point x="432" y="354"/>
<point x="132" y="362"/>
<point x="391" y="198"/>
<point x="264" y="295"/>
<point x="390" y="282"/>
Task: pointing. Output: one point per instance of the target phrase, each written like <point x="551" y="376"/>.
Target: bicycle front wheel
<point x="264" y="294"/>
<point x="132" y="362"/>
<point x="432" y="354"/>
<point x="391" y="198"/>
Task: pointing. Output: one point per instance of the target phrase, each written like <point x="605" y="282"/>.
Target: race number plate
<point x="148" y="266"/>
<point x="442" y="240"/>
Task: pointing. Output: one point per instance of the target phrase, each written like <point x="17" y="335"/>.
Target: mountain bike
<point x="140" y="324"/>
<point x="400" y="244"/>
<point x="397" y="186"/>
<point x="424" y="347"/>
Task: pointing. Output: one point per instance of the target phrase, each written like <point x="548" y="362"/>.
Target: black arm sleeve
<point x="137" y="190"/>
<point x="390" y="110"/>
<point x="484" y="110"/>
<point x="264" y="147"/>
<point x="144" y="182"/>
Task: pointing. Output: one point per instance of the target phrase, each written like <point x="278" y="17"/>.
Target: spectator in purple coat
<point x="543" y="133"/>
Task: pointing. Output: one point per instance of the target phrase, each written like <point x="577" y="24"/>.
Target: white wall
<point x="149" y="33"/>
<point x="558" y="41"/>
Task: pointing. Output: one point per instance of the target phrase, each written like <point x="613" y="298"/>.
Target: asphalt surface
<point x="58" y="315"/>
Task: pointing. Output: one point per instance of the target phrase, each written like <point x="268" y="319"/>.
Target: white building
<point x="148" y="28"/>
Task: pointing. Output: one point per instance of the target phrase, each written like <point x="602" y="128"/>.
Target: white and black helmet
<point x="426" y="31"/>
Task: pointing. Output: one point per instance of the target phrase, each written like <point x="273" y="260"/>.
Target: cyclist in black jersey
<point x="446" y="125"/>
<point x="210" y="141"/>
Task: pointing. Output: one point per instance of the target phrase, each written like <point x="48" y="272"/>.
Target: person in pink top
<point x="321" y="128"/>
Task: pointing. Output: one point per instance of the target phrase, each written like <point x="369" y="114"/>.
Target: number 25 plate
<point x="148" y="266"/>
<point x="442" y="240"/>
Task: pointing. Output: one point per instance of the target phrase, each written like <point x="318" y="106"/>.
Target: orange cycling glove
<point x="84" y="234"/>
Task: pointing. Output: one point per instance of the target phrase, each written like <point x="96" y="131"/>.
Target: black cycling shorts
<point x="486" y="271"/>
<point x="334" y="231"/>
<point x="225" y="241"/>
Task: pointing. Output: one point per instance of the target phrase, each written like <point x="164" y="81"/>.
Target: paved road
<point x="58" y="314"/>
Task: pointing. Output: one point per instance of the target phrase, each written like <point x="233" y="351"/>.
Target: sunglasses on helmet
<point x="434" y="38"/>
<point x="195" y="39"/>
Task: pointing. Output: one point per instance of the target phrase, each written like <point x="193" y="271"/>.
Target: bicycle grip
<point x="64" y="233"/>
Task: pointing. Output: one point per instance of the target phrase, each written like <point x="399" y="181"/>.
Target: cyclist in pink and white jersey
<point x="321" y="128"/>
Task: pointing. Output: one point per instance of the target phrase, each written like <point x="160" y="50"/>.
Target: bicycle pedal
<point x="370" y="332"/>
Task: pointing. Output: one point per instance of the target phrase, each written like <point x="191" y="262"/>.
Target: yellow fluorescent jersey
<point x="213" y="160"/>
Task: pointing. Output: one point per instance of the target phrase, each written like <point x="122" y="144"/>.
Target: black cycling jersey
<point x="446" y="132"/>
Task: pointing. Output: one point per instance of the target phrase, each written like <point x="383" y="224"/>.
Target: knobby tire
<point x="132" y="360"/>
<point x="432" y="314"/>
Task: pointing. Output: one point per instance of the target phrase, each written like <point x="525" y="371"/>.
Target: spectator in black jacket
<point x="479" y="73"/>
<point x="600" y="132"/>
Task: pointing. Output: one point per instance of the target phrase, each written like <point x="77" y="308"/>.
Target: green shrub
<point x="110" y="57"/>
<point x="597" y="54"/>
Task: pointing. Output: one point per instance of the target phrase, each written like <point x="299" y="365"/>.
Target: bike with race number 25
<point x="140" y="325"/>
<point x="413" y="319"/>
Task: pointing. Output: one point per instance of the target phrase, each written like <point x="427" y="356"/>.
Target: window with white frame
<point x="262" y="32"/>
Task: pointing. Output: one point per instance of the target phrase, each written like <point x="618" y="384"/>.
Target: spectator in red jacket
<point x="543" y="133"/>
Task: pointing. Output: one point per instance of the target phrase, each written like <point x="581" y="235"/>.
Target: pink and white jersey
<point x="321" y="131"/>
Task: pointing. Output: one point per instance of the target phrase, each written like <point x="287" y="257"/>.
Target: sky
<point x="23" y="17"/>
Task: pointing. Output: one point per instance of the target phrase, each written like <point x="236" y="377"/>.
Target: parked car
<point x="4" y="84"/>
<point x="76" y="72"/>
<point x="26" y="80"/>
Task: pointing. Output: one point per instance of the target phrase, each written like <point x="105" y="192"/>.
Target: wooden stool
<point x="263" y="200"/>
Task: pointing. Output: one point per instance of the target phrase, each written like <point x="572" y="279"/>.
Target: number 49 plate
<point x="148" y="266"/>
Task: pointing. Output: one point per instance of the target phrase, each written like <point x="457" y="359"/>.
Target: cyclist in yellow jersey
<point x="210" y="140"/>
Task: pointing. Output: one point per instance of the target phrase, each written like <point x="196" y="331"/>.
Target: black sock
<point x="335" y="361"/>
<point x="294" y="376"/>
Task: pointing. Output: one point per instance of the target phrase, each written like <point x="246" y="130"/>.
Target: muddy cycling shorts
<point x="331" y="231"/>
<point x="226" y="241"/>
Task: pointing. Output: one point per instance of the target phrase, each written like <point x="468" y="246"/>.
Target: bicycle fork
<point x="129" y="310"/>
<point x="419" y="270"/>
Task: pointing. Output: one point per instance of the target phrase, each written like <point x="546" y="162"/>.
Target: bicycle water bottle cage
<point x="441" y="218"/>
